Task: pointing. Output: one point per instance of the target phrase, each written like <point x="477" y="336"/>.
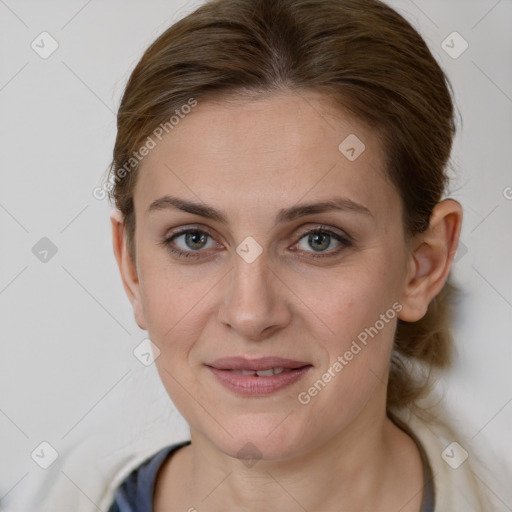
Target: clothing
<point x="456" y="487"/>
<point x="135" y="494"/>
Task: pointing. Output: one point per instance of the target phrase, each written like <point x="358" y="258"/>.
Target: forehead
<point x="258" y="151"/>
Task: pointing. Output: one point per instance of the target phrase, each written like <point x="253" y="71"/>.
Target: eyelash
<point x="167" y="242"/>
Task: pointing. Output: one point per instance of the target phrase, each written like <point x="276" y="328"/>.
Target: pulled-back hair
<point x="361" y="54"/>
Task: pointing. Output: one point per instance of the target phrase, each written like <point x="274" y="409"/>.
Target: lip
<point x="254" y="385"/>
<point x="262" y="363"/>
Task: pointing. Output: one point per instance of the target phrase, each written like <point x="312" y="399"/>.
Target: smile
<point x="257" y="377"/>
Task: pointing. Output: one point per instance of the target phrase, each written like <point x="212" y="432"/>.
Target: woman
<point x="281" y="233"/>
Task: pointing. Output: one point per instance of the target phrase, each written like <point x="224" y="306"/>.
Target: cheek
<point x="173" y="306"/>
<point x="356" y="327"/>
<point x="357" y="371"/>
<point x="346" y="302"/>
<point x="175" y="312"/>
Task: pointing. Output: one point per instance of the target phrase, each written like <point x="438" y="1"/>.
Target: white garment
<point x="456" y="487"/>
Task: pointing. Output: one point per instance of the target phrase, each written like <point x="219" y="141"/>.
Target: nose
<point x="255" y="301"/>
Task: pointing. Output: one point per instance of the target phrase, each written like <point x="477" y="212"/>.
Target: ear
<point x="126" y="266"/>
<point x="431" y="257"/>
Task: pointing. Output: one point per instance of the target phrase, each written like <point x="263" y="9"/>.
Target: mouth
<point x="257" y="365"/>
<point x="257" y="377"/>
<point x="263" y="373"/>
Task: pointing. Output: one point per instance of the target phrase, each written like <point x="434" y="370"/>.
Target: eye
<point x="194" y="239"/>
<point x="320" y="239"/>
<point x="189" y="242"/>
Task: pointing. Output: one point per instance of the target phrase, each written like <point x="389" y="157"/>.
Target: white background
<point x="68" y="375"/>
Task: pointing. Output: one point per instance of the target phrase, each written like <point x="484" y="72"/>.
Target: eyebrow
<point x="283" y="215"/>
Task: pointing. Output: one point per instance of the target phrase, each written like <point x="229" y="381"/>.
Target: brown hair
<point x="360" y="53"/>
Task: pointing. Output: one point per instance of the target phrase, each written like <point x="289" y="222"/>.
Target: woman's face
<point x="254" y="282"/>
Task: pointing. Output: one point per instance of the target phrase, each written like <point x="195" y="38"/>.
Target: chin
<point x="265" y="438"/>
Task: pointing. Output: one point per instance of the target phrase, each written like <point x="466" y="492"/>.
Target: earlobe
<point x="127" y="269"/>
<point x="430" y="260"/>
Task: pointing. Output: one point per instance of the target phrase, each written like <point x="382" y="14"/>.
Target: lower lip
<point x="253" y="385"/>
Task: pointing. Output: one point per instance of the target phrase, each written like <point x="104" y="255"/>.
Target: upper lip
<point x="262" y="363"/>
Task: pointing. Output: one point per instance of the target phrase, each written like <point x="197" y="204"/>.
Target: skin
<point x="250" y="158"/>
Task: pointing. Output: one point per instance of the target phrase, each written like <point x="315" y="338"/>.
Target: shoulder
<point x="132" y="487"/>
<point x="453" y="461"/>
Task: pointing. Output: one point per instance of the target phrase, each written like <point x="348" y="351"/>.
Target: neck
<point x="365" y="467"/>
